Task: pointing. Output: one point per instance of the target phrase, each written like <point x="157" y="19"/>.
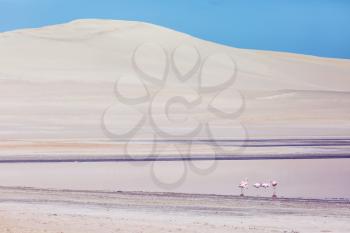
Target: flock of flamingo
<point x="244" y="185"/>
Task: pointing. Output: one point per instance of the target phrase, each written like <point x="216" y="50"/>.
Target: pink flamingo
<point x="243" y="185"/>
<point x="257" y="186"/>
<point x="274" y="185"/>
<point x="265" y="185"/>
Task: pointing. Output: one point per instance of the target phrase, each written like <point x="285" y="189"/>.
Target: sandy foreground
<point x="25" y="210"/>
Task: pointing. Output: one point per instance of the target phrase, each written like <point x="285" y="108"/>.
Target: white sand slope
<point x="56" y="82"/>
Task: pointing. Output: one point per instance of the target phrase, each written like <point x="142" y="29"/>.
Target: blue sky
<point x="316" y="27"/>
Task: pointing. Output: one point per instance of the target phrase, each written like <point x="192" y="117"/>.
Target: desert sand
<point x="26" y="210"/>
<point x="57" y="81"/>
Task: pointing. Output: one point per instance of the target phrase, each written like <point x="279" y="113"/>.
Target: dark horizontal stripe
<point x="168" y="158"/>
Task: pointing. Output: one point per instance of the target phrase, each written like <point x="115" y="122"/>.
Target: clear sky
<point x="316" y="27"/>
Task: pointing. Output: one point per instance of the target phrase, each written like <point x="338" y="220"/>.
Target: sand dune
<point x="56" y="82"/>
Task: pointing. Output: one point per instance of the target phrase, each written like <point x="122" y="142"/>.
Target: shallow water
<point x="297" y="178"/>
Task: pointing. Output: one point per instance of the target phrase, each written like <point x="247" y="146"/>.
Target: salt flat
<point x="39" y="210"/>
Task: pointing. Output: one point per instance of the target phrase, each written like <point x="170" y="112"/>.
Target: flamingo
<point x="265" y="185"/>
<point x="257" y="186"/>
<point x="243" y="185"/>
<point x="274" y="185"/>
